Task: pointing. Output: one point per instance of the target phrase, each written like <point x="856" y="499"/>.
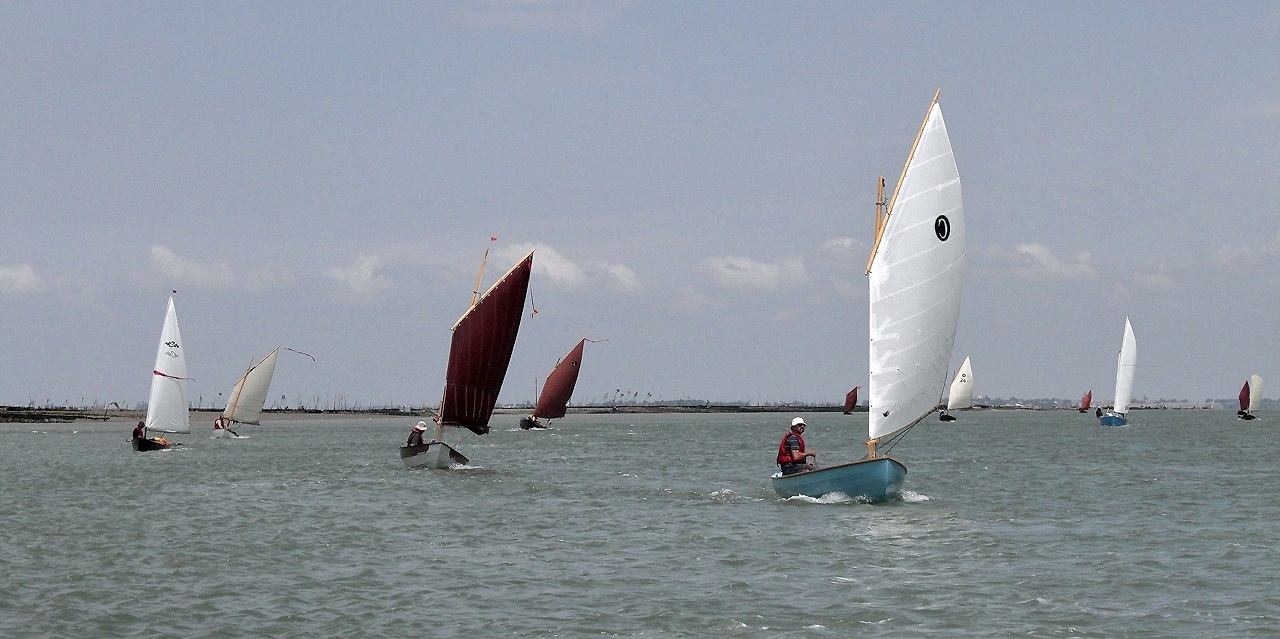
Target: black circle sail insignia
<point x="942" y="227"/>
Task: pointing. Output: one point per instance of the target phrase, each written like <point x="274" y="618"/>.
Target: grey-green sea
<point x="1012" y="524"/>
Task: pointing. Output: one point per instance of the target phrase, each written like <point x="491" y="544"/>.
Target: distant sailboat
<point x="167" y="404"/>
<point x="1086" y="401"/>
<point x="553" y="402"/>
<point x="916" y="272"/>
<point x="851" y="400"/>
<point x="248" y="397"/>
<point x="479" y="353"/>
<point x="1250" y="398"/>
<point x="960" y="395"/>
<point x="1126" y="367"/>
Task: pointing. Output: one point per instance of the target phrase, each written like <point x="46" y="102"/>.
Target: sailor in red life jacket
<point x="221" y="423"/>
<point x="140" y="431"/>
<point x="792" y="454"/>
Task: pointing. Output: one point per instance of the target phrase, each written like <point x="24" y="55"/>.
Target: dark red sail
<point x="481" y="350"/>
<point x="1244" y="397"/>
<point x="1086" y="401"/>
<point x="559" y="387"/>
<point x="851" y="400"/>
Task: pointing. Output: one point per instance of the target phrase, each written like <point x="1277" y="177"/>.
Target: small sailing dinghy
<point x="479" y="353"/>
<point x="1086" y="401"/>
<point x="167" y="403"/>
<point x="1126" y="367"/>
<point x="916" y="272"/>
<point x="851" y="400"/>
<point x="1250" y="398"/>
<point x="248" y="397"/>
<point x="553" y="402"/>
<point x="960" y="395"/>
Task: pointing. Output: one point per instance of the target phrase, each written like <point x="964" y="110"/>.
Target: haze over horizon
<point x="698" y="181"/>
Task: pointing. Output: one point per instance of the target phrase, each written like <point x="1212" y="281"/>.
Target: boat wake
<point x="914" y="498"/>
<point x="829" y="498"/>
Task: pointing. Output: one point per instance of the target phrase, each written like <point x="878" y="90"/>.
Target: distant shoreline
<point x="24" y="414"/>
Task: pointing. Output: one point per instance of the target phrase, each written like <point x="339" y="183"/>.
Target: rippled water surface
<point x="1038" y="524"/>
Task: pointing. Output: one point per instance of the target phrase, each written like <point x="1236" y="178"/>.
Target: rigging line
<point x="532" y="302"/>
<point x="893" y="441"/>
<point x="300" y="353"/>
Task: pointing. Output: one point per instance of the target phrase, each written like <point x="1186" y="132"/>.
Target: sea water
<point x="1013" y="523"/>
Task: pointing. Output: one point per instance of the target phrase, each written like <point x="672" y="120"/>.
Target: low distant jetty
<point x="52" y="415"/>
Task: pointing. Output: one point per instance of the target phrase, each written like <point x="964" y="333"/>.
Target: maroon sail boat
<point x="1086" y="401"/>
<point x="554" y="400"/>
<point x="851" y="400"/>
<point x="478" y="357"/>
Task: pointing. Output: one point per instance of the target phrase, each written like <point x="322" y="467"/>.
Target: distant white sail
<point x="247" y="399"/>
<point x="961" y="394"/>
<point x="916" y="273"/>
<point x="167" y="405"/>
<point x="1126" y="367"/>
<point x="1255" y="393"/>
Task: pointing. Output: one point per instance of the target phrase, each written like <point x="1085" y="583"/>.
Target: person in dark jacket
<point x="415" y="435"/>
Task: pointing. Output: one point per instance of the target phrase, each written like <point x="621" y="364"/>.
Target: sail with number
<point x="480" y="351"/>
<point x="554" y="400"/>
<point x="167" y="404"/>
<point x="1126" y="368"/>
<point x="961" y="393"/>
<point x="247" y="399"/>
<point x="916" y="274"/>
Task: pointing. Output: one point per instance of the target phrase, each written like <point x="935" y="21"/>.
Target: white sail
<point x="1126" y="367"/>
<point x="1255" y="393"/>
<point x="245" y="403"/>
<point x="167" y="404"/>
<point x="961" y="394"/>
<point x="916" y="273"/>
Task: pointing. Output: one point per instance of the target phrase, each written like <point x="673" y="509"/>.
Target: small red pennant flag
<point x="493" y="239"/>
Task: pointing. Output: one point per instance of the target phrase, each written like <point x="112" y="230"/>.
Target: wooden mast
<point x="475" y="292"/>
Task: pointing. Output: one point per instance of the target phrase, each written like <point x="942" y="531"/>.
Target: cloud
<point x="184" y="271"/>
<point x="744" y="273"/>
<point x="692" y="299"/>
<point x="1247" y="254"/>
<point x="564" y="273"/>
<point x="1043" y="264"/>
<point x="622" y="278"/>
<point x="20" y="278"/>
<point x="843" y="260"/>
<point x="361" y="277"/>
<point x="1158" y="282"/>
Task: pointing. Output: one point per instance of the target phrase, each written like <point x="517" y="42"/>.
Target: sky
<point x="697" y="178"/>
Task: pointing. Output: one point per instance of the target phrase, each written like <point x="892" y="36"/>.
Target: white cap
<point x="797" y="421"/>
<point x="420" y="426"/>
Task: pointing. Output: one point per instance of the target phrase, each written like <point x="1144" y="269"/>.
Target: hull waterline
<point x="872" y="480"/>
<point x="531" y="424"/>
<point x="432" y="456"/>
<point x="1112" y="419"/>
<point x="144" y="445"/>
